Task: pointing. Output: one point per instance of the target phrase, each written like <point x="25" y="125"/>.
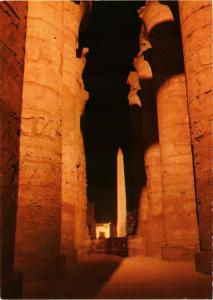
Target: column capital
<point x="154" y="13"/>
<point x="83" y="94"/>
<point x="144" y="40"/>
<point x="133" y="82"/>
<point x="81" y="58"/>
<point x="83" y="98"/>
<point x="142" y="68"/>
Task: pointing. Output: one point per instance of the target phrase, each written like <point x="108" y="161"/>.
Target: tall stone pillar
<point x="151" y="155"/>
<point x="196" y="28"/>
<point x="71" y="20"/>
<point x="12" y="41"/>
<point x="137" y="174"/>
<point x="179" y="208"/>
<point x="137" y="243"/>
<point x="39" y="202"/>
<point x="82" y="235"/>
<point x="72" y="146"/>
<point x="121" y="196"/>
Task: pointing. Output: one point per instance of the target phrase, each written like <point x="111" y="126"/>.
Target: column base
<point x="154" y="250"/>
<point x="203" y="262"/>
<point x="136" y="246"/>
<point x="119" y="246"/>
<point x="177" y="254"/>
<point x="71" y="258"/>
<point x="83" y="253"/>
<point x="84" y="249"/>
<point x="12" y="286"/>
<point x="41" y="268"/>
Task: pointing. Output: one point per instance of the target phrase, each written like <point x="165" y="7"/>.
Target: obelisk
<point x="121" y="196"/>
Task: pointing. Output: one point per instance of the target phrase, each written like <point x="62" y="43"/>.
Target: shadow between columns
<point x="83" y="281"/>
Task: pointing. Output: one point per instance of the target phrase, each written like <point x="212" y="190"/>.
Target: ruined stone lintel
<point x="41" y="267"/>
<point x="12" y="286"/>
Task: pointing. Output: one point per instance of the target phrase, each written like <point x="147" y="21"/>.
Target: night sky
<point x="112" y="35"/>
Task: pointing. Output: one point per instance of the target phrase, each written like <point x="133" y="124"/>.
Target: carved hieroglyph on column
<point x="12" y="51"/>
<point x="73" y="228"/>
<point x="151" y="151"/>
<point x="39" y="203"/>
<point x="196" y="28"/>
<point x="121" y="196"/>
<point x="180" y="221"/>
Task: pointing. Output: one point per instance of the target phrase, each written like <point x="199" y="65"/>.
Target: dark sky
<point x="112" y="36"/>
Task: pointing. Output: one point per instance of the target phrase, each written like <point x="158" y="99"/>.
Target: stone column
<point x="179" y="208"/>
<point x="137" y="242"/>
<point x="196" y="28"/>
<point x="72" y="16"/>
<point x="12" y="48"/>
<point x="155" y="232"/>
<point x="136" y="150"/>
<point x="82" y="234"/>
<point x="39" y="203"/>
<point x="74" y="200"/>
<point x="137" y="245"/>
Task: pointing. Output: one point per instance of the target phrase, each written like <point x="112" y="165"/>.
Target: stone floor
<point x="106" y="276"/>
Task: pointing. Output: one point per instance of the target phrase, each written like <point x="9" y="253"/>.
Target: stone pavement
<point x="102" y="276"/>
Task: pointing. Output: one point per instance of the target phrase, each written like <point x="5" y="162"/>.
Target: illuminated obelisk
<point x="121" y="196"/>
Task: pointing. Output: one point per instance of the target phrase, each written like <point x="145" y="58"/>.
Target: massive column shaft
<point x="39" y="203"/>
<point x="138" y="238"/>
<point x="73" y="202"/>
<point x="196" y="28"/>
<point x="181" y="237"/>
<point x="136" y="150"/>
<point x="12" y="46"/>
<point x="121" y="196"/>
<point x="82" y="235"/>
<point x="151" y="156"/>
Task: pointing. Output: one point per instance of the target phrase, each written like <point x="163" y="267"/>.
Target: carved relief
<point x="41" y="125"/>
